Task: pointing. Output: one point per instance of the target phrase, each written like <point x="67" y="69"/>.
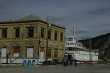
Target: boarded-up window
<point x="3" y="52"/>
<point x="30" y="52"/>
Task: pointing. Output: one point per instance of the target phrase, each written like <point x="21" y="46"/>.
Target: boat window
<point x="70" y="49"/>
<point x="70" y="39"/>
<point x="71" y="43"/>
<point x="67" y="43"/>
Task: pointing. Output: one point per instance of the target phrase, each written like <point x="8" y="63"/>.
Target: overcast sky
<point x="91" y="16"/>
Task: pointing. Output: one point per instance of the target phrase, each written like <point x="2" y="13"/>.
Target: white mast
<point x="75" y="31"/>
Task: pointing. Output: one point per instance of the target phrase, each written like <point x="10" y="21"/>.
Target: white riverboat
<point x="78" y="51"/>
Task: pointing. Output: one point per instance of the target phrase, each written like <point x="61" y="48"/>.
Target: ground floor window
<point x="56" y="53"/>
<point x="42" y="49"/>
<point x="3" y="52"/>
<point x="16" y="52"/>
<point x="49" y="53"/>
<point x="30" y="52"/>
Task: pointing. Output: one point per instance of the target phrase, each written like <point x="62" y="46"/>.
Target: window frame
<point x="4" y="32"/>
<point x="17" y="33"/>
<point x="56" y="35"/>
<point x="30" y="32"/>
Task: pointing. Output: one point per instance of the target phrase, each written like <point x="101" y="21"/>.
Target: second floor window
<point x="61" y="36"/>
<point x="17" y="32"/>
<point x="4" y="33"/>
<point x="30" y="32"/>
<point x="56" y="35"/>
<point x="42" y="32"/>
<point x="49" y="34"/>
<point x="56" y="53"/>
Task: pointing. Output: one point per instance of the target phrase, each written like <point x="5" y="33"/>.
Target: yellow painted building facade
<point x="27" y="39"/>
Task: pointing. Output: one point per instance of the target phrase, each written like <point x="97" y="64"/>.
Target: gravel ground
<point x="81" y="68"/>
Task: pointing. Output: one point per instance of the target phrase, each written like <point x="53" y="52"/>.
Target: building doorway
<point x="15" y="51"/>
<point x="42" y="54"/>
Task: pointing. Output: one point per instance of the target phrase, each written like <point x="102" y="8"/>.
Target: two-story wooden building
<point x="30" y="39"/>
